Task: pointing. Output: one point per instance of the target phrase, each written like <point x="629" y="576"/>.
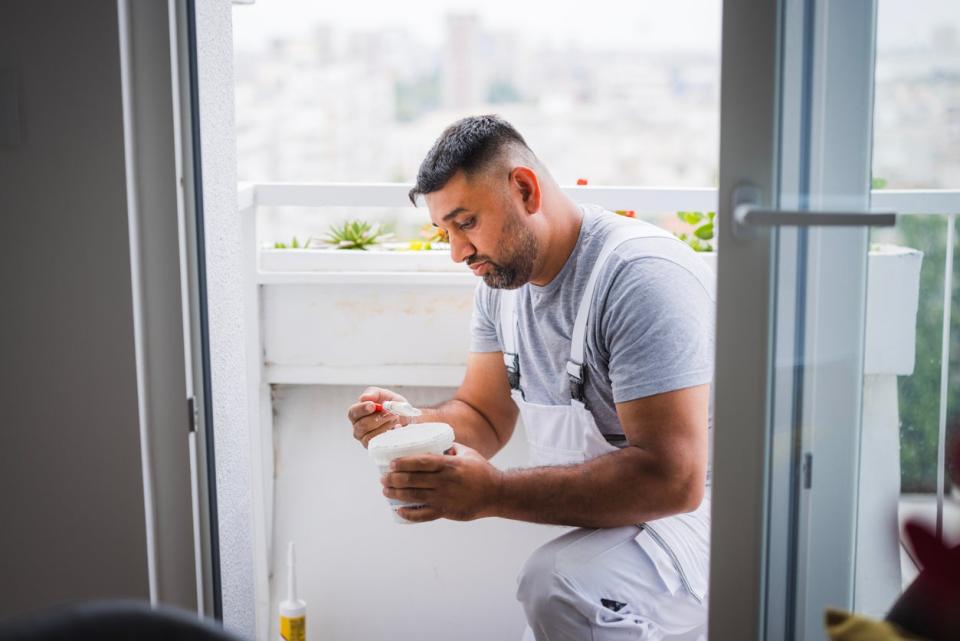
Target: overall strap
<point x="620" y="235"/>
<point x="508" y="328"/>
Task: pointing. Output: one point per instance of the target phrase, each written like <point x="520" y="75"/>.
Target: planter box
<point x="893" y="294"/>
<point x="403" y="317"/>
<point x="366" y="333"/>
<point x="352" y="260"/>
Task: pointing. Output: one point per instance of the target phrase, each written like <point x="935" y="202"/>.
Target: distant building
<point x="464" y="81"/>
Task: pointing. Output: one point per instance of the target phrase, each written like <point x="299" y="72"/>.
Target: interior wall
<point x="71" y="490"/>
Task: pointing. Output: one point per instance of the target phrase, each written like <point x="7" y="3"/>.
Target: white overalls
<point x="647" y="581"/>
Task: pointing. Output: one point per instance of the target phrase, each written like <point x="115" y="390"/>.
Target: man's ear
<point x="526" y="182"/>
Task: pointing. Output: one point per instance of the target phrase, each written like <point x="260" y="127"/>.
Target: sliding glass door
<point x="816" y="328"/>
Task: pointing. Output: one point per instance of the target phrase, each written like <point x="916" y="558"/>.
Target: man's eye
<point x="470" y="223"/>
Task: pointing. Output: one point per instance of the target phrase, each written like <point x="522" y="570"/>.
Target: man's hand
<point x="367" y="422"/>
<point x="461" y="487"/>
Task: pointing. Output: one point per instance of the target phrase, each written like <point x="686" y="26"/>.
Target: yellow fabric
<point x="846" y="626"/>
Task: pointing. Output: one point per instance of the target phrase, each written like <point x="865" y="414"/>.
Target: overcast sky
<point x="654" y="24"/>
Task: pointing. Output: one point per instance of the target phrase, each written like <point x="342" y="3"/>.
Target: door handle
<point x="749" y="217"/>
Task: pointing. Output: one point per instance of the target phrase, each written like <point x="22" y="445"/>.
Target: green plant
<point x="355" y="234"/>
<point x="703" y="229"/>
<point x="294" y="244"/>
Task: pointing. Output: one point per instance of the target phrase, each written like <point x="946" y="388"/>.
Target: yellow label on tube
<point x="293" y="628"/>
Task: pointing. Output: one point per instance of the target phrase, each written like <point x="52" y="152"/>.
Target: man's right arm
<point x="481" y="413"/>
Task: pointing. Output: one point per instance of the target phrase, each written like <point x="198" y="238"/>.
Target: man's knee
<point x="540" y="587"/>
<point x="602" y="582"/>
<point x="537" y="579"/>
<point x="549" y="580"/>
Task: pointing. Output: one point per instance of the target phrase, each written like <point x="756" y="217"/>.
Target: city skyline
<point x="679" y="25"/>
<point x="359" y="96"/>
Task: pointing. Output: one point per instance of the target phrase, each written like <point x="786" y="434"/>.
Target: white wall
<point x="364" y="577"/>
<point x="225" y="305"/>
<point x="71" y="492"/>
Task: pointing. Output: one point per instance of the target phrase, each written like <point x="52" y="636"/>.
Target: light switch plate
<point x="9" y="109"/>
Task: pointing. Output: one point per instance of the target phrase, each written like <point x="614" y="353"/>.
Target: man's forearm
<point x="469" y="425"/>
<point x="613" y="490"/>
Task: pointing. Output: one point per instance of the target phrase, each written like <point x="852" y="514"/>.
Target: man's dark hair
<point x="470" y="144"/>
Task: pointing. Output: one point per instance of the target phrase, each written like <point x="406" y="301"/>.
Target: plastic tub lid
<point x="412" y="439"/>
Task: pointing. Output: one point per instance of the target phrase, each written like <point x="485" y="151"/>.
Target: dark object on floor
<point x="113" y="621"/>
<point x="930" y="607"/>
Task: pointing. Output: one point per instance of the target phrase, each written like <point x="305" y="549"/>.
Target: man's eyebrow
<point x="458" y="210"/>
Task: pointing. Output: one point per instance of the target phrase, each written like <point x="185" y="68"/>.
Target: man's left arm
<point x="661" y="472"/>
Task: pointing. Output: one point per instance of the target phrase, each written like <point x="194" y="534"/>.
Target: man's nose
<point x="460" y="248"/>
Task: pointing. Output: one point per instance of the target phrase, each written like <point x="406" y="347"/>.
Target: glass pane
<point x="916" y="132"/>
<point x="915" y="137"/>
<point x="951" y="507"/>
<point x="901" y="407"/>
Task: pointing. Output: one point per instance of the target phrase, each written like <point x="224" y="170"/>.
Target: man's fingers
<point x="419" y="514"/>
<point x="408" y="495"/>
<point x="408" y="479"/>
<point x="371" y="394"/>
<point x="421" y="463"/>
<point x="369" y="436"/>
<point x="377" y="395"/>
<point x="359" y="410"/>
<point x="379" y="422"/>
<point x="366" y="437"/>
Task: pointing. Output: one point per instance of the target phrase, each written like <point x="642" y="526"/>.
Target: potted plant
<point x="361" y="246"/>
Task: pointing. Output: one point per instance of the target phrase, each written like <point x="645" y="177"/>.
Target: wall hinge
<point x="193" y="416"/>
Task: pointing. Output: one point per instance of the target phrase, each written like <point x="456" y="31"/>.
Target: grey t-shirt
<point x="650" y="329"/>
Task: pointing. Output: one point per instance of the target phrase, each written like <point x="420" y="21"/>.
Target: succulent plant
<point x="355" y="234"/>
<point x="293" y="244"/>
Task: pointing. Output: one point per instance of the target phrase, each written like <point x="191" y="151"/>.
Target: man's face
<point x="488" y="227"/>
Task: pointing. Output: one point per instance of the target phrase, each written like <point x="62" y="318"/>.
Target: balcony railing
<point x="643" y="200"/>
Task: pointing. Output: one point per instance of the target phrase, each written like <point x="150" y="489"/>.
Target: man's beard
<point x="520" y="252"/>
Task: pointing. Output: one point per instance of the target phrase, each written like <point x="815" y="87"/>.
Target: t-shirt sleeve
<point x="483" y="324"/>
<point x="656" y="329"/>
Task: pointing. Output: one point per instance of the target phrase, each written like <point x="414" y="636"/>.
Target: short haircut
<point x="471" y="145"/>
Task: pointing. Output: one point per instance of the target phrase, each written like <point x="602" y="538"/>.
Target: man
<point x="598" y="331"/>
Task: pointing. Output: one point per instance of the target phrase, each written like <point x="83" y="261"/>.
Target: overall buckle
<point x="576" y="376"/>
<point x="512" y="363"/>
